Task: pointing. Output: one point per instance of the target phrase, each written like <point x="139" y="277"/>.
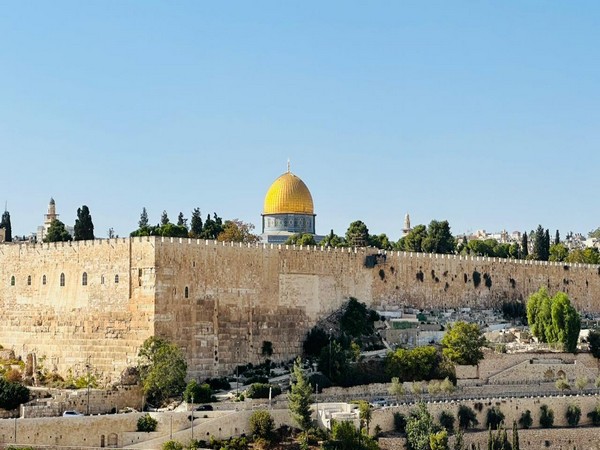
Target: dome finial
<point x="288" y="165"/>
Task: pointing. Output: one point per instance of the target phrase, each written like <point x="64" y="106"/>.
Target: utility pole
<point x="87" y="367"/>
<point x="192" y="417"/>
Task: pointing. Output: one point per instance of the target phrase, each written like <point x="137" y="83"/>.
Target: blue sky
<point x="482" y="113"/>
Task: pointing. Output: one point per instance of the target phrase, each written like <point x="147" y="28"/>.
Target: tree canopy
<point x="162" y="369"/>
<point x="84" y="227"/>
<point x="357" y="234"/>
<point x="463" y="342"/>
<point x="553" y="319"/>
<point x="237" y="231"/>
<point x="301" y="239"/>
<point x="300" y="397"/>
<point x="57" y="232"/>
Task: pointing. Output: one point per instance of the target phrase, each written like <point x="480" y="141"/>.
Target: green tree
<point x="346" y="437"/>
<point x="181" y="221"/>
<point x="459" y="442"/>
<point x="419" y="427"/>
<point x="12" y="394"/>
<point x="582" y="382"/>
<point x="261" y="424"/>
<point x="334" y="361"/>
<point x="588" y="255"/>
<point x="196" y="224"/>
<point x="238" y="231"/>
<point x="466" y="418"/>
<point x="439" y="441"/>
<point x="164" y="218"/>
<point x="562" y="385"/>
<point x="438" y="239"/>
<point x="524" y="246"/>
<point x="146" y="423"/>
<point x="301" y="239"/>
<point x="300" y="397"/>
<point x="594" y="342"/>
<point x="556" y="238"/>
<point x="172" y="445"/>
<point x="332" y="240"/>
<point x="380" y="241"/>
<point x="162" y="369"/>
<point x="515" y="436"/>
<point x="558" y="252"/>
<point x="414" y="239"/>
<point x="357" y="234"/>
<point x="5" y="223"/>
<point x="594" y="416"/>
<point x="212" y="227"/>
<point x="399" y="422"/>
<point x="416" y="364"/>
<point x="463" y="342"/>
<point x="396" y="388"/>
<point x="540" y="250"/>
<point x="143" y="222"/>
<point x="553" y="319"/>
<point x="546" y="417"/>
<point x="57" y="232"/>
<point x="573" y="415"/>
<point x="364" y="414"/>
<point x="84" y="227"/>
<point x="200" y="393"/>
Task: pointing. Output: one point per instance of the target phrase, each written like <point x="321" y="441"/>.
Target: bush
<point x="399" y="422"/>
<point x="12" y="394"/>
<point x="172" y="445"/>
<point x="261" y="390"/>
<point x="261" y="424"/>
<point x="217" y="384"/>
<point x="573" y="415"/>
<point x="201" y="393"/>
<point x="546" y="417"/>
<point x="494" y="418"/>
<point x="594" y="416"/>
<point x="146" y="423"/>
<point x="13" y="375"/>
<point x="447" y="421"/>
<point x="526" y="421"/>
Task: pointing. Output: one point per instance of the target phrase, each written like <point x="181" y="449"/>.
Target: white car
<point x="71" y="413"/>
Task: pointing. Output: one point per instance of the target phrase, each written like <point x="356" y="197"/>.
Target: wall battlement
<point x="98" y="300"/>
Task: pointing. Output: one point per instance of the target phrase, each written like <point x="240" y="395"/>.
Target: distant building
<point x="288" y="210"/>
<point x="50" y="217"/>
<point x="407" y="229"/>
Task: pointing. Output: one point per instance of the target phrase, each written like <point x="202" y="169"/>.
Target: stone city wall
<point x="221" y="301"/>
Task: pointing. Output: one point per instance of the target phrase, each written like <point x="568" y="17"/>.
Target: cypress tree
<point x="546" y="245"/>
<point x="557" y="238"/>
<point x="164" y="218"/>
<point x="196" y="223"/>
<point x="539" y="243"/>
<point x="524" y="246"/>
<point x="84" y="227"/>
<point x="143" y="218"/>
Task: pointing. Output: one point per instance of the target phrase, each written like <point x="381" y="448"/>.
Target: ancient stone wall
<point x="221" y="301"/>
<point x="77" y="303"/>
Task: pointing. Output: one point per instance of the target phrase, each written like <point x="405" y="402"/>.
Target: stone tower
<point x="407" y="227"/>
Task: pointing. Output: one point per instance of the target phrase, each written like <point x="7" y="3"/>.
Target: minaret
<point x="407" y="227"/>
<point x="51" y="216"/>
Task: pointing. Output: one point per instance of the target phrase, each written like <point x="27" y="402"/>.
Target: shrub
<point x="546" y="417"/>
<point x="261" y="390"/>
<point x="526" y="421"/>
<point x="573" y="415"/>
<point x="594" y="415"/>
<point x="12" y="394"/>
<point x="399" y="422"/>
<point x="261" y="424"/>
<point x="201" y="393"/>
<point x="217" y="384"/>
<point x="13" y="375"/>
<point x="494" y="418"/>
<point x="146" y="423"/>
<point x="466" y="417"/>
<point x="447" y="421"/>
<point x="172" y="445"/>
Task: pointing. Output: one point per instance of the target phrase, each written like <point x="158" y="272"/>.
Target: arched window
<point x="28" y="280"/>
<point x="116" y="279"/>
<point x="12" y="280"/>
<point x="186" y="292"/>
<point x="84" y="279"/>
<point x="62" y="279"/>
<point x="44" y="280"/>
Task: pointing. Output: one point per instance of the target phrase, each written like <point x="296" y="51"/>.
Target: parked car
<point x="204" y="408"/>
<point x="71" y="413"/>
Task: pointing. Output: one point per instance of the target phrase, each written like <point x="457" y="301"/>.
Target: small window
<point x="84" y="279"/>
<point x="29" y="280"/>
<point x="44" y="280"/>
<point x="186" y="292"/>
<point x="62" y="279"/>
<point x="101" y="279"/>
<point x="12" y="280"/>
<point x="116" y="279"/>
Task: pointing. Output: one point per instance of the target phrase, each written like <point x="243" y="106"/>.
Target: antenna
<point x="288" y="165"/>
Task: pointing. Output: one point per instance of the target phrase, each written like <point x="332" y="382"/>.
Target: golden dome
<point x="288" y="195"/>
